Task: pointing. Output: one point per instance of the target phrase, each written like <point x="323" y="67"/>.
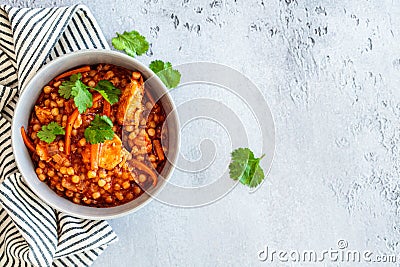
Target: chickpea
<point x="129" y="196"/>
<point x="101" y="182"/>
<point x="42" y="165"/>
<point x="107" y="187"/>
<point x="59" y="187"/>
<point x="53" y="104"/>
<point x="92" y="73"/>
<point x="117" y="187"/>
<point x="58" y="118"/>
<point x="63" y="170"/>
<point x="91" y="83"/>
<point x="96" y="195"/>
<point x="151" y="132"/>
<point x="103" y="174"/>
<point x="155" y="118"/>
<point x="126" y="185"/>
<point x="75" y="179"/>
<point x="55" y="112"/>
<point x="64" y="118"/>
<point x="152" y="124"/>
<point x="136" y="75"/>
<point x="82" y="142"/>
<point x="47" y="89"/>
<point x="42" y="177"/>
<point x="109" y="75"/>
<point x="70" y="171"/>
<point x="34" y="136"/>
<point x="74" y="132"/>
<point x="136" y="190"/>
<point x="91" y="174"/>
<point x="119" y="195"/>
<point x="109" y="199"/>
<point x="60" y="102"/>
<point x="67" y="163"/>
<point x="152" y="158"/>
<point x="36" y="127"/>
<point x="39" y="171"/>
<point x="69" y="193"/>
<point x="47" y="103"/>
<point x="142" y="178"/>
<point x="50" y="173"/>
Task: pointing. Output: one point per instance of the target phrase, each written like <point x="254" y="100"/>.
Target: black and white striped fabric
<point x="32" y="233"/>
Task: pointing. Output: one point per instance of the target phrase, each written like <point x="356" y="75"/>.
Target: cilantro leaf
<point x="245" y="167"/>
<point x="65" y="88"/>
<point x="83" y="99"/>
<point x="49" y="132"/>
<point x="131" y="42"/>
<point x="169" y="76"/>
<point x="99" y="130"/>
<point x="108" y="91"/>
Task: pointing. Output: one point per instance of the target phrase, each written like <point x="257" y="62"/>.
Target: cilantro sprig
<point x="75" y="88"/>
<point x="83" y="99"/>
<point x="49" y="132"/>
<point x="133" y="43"/>
<point x="99" y="130"/>
<point x="169" y="76"/>
<point x="108" y="91"/>
<point x="246" y="168"/>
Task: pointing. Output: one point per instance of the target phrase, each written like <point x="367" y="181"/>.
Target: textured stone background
<point x="330" y="71"/>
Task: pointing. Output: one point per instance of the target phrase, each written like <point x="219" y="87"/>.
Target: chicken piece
<point x="130" y="104"/>
<point x="42" y="152"/>
<point x="111" y="153"/>
<point x="43" y="114"/>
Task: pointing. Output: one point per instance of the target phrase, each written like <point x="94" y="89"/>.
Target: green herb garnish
<point x="246" y="168"/>
<point x="66" y="87"/>
<point x="108" y="91"/>
<point x="169" y="76"/>
<point x="49" y="132"/>
<point x="99" y="130"/>
<point x="83" y="99"/>
<point x="131" y="42"/>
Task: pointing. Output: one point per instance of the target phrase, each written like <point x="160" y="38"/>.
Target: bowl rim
<point x="15" y="131"/>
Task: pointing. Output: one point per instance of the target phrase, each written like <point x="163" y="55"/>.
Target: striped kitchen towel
<point x="31" y="232"/>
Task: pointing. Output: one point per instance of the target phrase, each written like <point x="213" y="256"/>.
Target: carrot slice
<point x="27" y="142"/>
<point x="107" y="109"/>
<point x="143" y="167"/>
<point x="159" y="150"/>
<point x="70" y="124"/>
<point x="70" y="72"/>
<point x="94" y="156"/>
<point x="68" y="130"/>
<point x="97" y="97"/>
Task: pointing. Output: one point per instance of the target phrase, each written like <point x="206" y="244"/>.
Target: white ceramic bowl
<point x="26" y="103"/>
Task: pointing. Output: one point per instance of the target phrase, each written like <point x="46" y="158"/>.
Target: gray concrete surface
<point x="330" y="71"/>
